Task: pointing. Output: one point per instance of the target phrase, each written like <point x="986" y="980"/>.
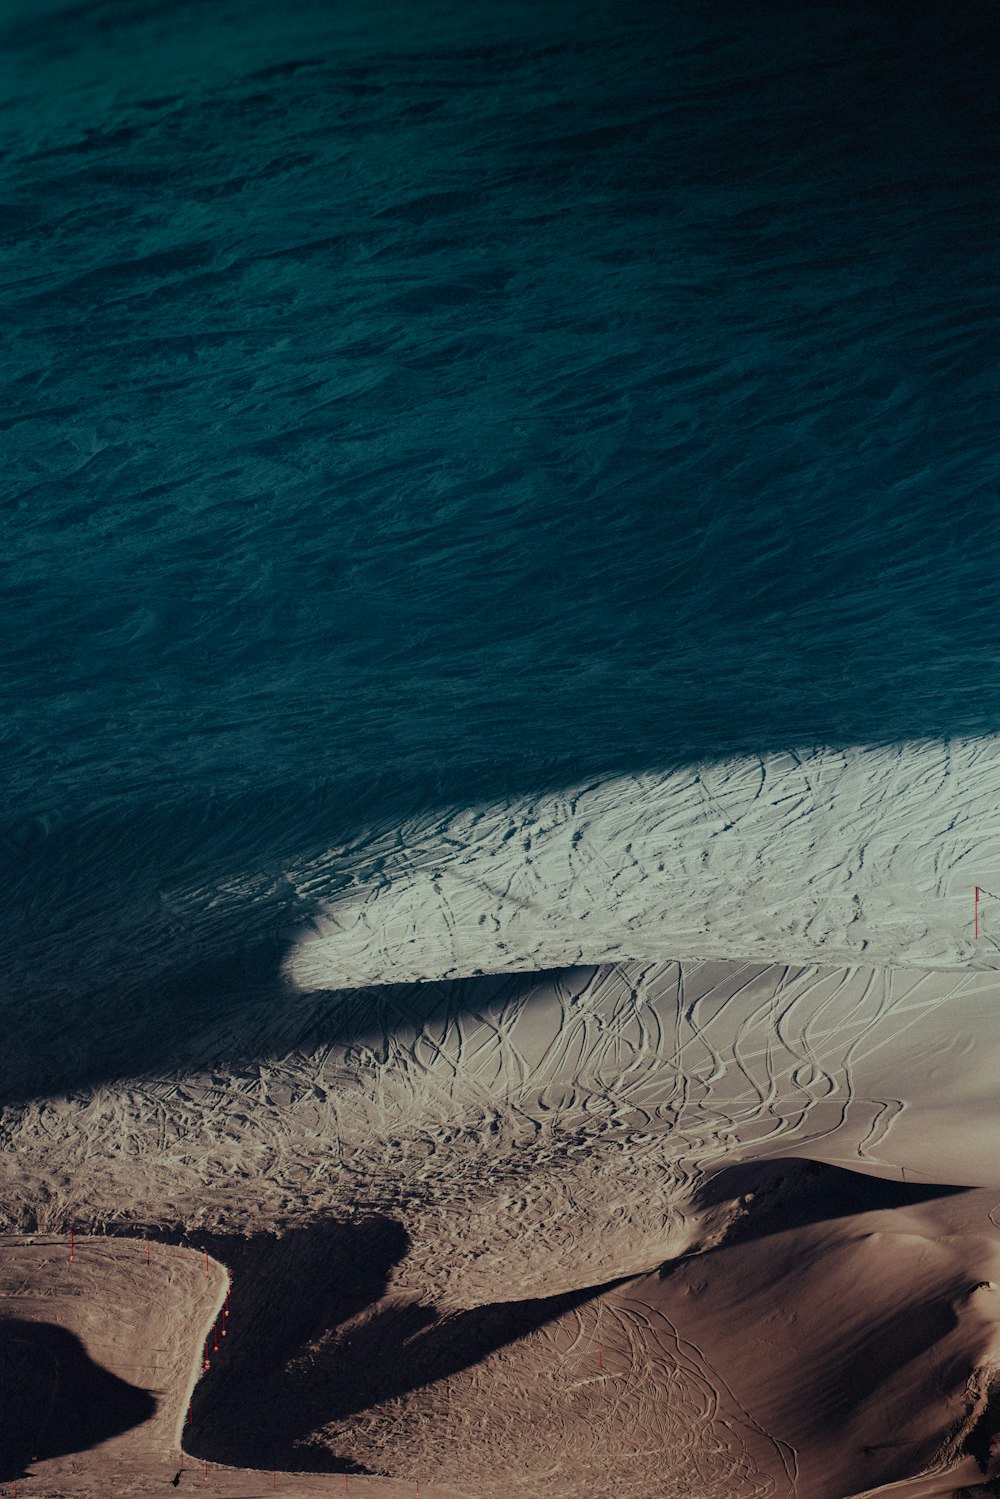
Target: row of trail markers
<point x="72" y="1248"/>
<point x="219" y="1329"/>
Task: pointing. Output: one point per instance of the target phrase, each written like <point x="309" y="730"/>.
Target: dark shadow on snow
<point x="312" y="1340"/>
<point x="54" y="1400"/>
<point x="792" y="1193"/>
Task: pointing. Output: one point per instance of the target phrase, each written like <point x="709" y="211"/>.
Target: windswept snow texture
<point x="411" y="408"/>
<point x="872" y="855"/>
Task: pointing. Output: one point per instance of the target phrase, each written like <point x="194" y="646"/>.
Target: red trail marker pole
<point x="975" y="908"/>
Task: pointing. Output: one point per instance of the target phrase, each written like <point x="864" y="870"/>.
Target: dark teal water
<point x="407" y="404"/>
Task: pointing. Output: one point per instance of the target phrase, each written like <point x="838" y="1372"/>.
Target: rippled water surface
<point x="404" y="405"/>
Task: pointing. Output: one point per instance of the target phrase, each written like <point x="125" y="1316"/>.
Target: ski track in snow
<point x="866" y="855"/>
<point x="516" y="1124"/>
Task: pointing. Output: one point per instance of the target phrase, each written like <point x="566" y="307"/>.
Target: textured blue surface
<point x="403" y="408"/>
